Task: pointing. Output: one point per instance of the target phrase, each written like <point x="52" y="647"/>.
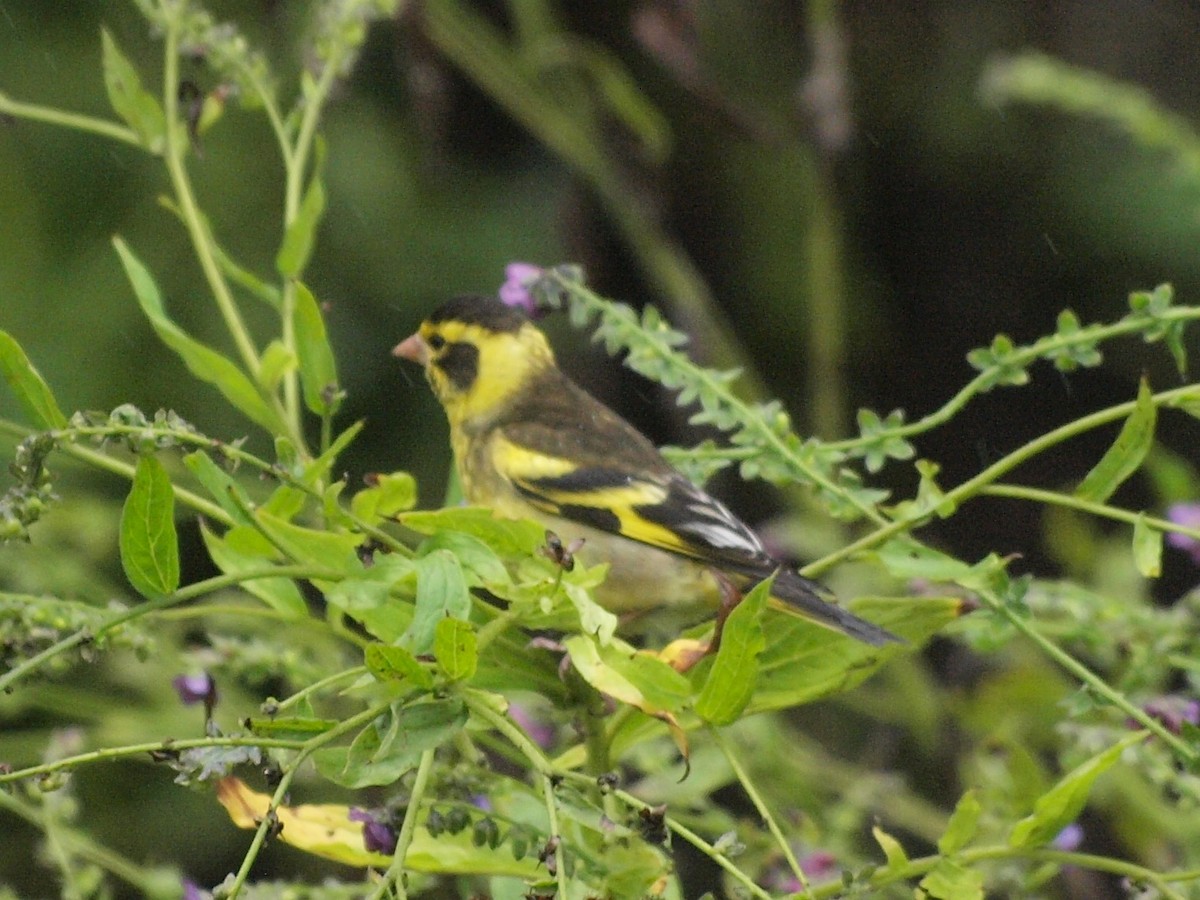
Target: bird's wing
<point x="653" y="505"/>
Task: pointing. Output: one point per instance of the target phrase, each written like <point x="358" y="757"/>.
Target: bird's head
<point x="477" y="354"/>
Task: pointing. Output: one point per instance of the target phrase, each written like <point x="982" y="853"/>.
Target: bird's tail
<point x="803" y="597"/>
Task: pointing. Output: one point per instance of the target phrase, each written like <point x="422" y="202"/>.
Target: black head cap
<point x="486" y="312"/>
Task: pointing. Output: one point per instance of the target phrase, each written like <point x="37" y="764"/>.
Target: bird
<point x="529" y="443"/>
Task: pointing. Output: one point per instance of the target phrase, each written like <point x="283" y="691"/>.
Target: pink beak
<point x="413" y="348"/>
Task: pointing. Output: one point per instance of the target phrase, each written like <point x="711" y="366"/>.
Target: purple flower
<point x="193" y="689"/>
<point x="819" y="864"/>
<point x="378" y="835"/>
<point x="1070" y="838"/>
<point x="1172" y="712"/>
<point x="540" y="731"/>
<point x="519" y="278"/>
<point x="1187" y="515"/>
<point x="192" y="891"/>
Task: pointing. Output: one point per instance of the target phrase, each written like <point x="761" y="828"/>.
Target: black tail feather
<point x="805" y="598"/>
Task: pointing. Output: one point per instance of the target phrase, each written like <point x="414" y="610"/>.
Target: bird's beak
<point x="413" y="348"/>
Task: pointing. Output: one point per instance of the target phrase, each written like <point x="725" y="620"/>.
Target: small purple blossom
<point x="1187" y="515"/>
<point x="1172" y="712"/>
<point x="193" y="891"/>
<point x="193" y="689"/>
<point x="378" y="834"/>
<point x="540" y="731"/>
<point x="819" y="865"/>
<point x="1070" y="838"/>
<point x="519" y="278"/>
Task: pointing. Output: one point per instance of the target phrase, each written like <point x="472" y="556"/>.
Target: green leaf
<point x="220" y="486"/>
<point x="242" y="549"/>
<point x="393" y="744"/>
<point x="205" y="363"/>
<point x="961" y="827"/>
<point x="454" y="649"/>
<point x="734" y="674"/>
<point x="389" y="663"/>
<point x="804" y="661"/>
<point x="508" y="537"/>
<point x="277" y="361"/>
<point x="387" y="497"/>
<point x="301" y="235"/>
<point x="893" y="851"/>
<point x="950" y="880"/>
<point x="1125" y="456"/>
<point x="1061" y="805"/>
<point x="149" y="544"/>
<point x="1147" y="548"/>
<point x="28" y="385"/>
<point x="478" y="561"/>
<point x="139" y="108"/>
<point x="318" y="371"/>
<point x="441" y="592"/>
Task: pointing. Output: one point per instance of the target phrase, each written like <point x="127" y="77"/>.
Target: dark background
<point x="955" y="220"/>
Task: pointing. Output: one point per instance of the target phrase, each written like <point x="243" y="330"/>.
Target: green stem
<point x="102" y="127"/>
<point x="976" y="484"/>
<point x="395" y="873"/>
<point x="677" y="827"/>
<point x="181" y="596"/>
<point x="175" y="148"/>
<point x="1021" y="357"/>
<point x="311" y="746"/>
<point x="560" y="869"/>
<point x="317" y="686"/>
<point x="760" y="804"/>
<point x="108" y="754"/>
<point x="1103" y="510"/>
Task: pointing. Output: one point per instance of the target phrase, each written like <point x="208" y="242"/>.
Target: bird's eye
<point x="436" y="342"/>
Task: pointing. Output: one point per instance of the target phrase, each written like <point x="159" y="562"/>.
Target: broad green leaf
<point x="454" y="649"/>
<point x="734" y="673"/>
<point x="1147" y="548"/>
<point x="301" y="235"/>
<point x="149" y="544"/>
<point x="804" y="661"/>
<point x="393" y="744"/>
<point x="478" y="561"/>
<point x="289" y="728"/>
<point x="441" y="592"/>
<point x="318" y="371"/>
<point x="311" y="546"/>
<point x="961" y="827"/>
<point x="508" y="537"/>
<point x="950" y="880"/>
<point x="220" y="486"/>
<point x="389" y="663"/>
<point x="1061" y="805"/>
<point x="388" y="496"/>
<point x="28" y="385"/>
<point x="1125" y="456"/>
<point x="138" y="107"/>
<point x="205" y="363"/>
<point x="893" y="851"/>
<point x="242" y="549"/>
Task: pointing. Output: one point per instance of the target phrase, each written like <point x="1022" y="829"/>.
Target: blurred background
<point x="820" y="192"/>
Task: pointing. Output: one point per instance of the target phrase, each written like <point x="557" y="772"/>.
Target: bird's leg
<point x="684" y="653"/>
<point x="730" y="598"/>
